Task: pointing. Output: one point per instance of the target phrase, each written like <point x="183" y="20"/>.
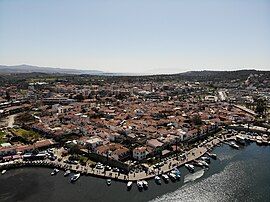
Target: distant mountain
<point x="48" y="70"/>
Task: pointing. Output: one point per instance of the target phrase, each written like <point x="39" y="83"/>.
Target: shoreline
<point x="191" y="155"/>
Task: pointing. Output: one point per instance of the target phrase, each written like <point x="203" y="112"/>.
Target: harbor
<point x="197" y="157"/>
<point x="222" y="177"/>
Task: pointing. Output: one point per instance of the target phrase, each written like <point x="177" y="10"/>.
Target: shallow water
<point x="237" y="175"/>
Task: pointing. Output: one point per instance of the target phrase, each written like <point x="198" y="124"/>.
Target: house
<point x="139" y="153"/>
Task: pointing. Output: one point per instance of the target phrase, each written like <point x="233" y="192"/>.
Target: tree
<point x="261" y="106"/>
<point x="196" y="119"/>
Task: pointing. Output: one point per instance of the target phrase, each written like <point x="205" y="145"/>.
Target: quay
<point x="180" y="160"/>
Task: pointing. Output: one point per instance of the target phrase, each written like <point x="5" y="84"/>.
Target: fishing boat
<point x="190" y="167"/>
<point x="3" y="172"/>
<point x="129" y="185"/>
<point x="145" y="184"/>
<point x="55" y="171"/>
<point x="67" y="173"/>
<point x="165" y="178"/>
<point x="157" y="180"/>
<point x="109" y="182"/>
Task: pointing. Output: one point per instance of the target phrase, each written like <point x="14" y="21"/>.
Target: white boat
<point x="213" y="156"/>
<point x="172" y="176"/>
<point x="234" y="145"/>
<point x="189" y="167"/>
<point x="54" y="172"/>
<point x="207" y="159"/>
<point x="165" y="177"/>
<point x="109" y="182"/>
<point x="129" y="185"/>
<point x="67" y="173"/>
<point x="145" y="184"/>
<point x="203" y="163"/>
<point x="140" y="184"/>
<point x="75" y="177"/>
<point x="3" y="172"/>
<point x="157" y="179"/>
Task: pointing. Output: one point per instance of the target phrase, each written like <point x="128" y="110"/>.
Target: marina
<point x="197" y="185"/>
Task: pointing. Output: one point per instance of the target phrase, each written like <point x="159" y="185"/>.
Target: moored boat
<point x="55" y="171"/>
<point x="140" y="184"/>
<point x="157" y="180"/>
<point x="212" y="155"/>
<point x="145" y="184"/>
<point x="129" y="185"/>
<point x="165" y="178"/>
<point x="67" y="173"/>
<point x="172" y="176"/>
<point x="109" y="182"/>
<point x="75" y="177"/>
<point x="3" y="172"/>
<point x="190" y="167"/>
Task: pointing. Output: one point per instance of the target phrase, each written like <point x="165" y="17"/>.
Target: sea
<point x="236" y="175"/>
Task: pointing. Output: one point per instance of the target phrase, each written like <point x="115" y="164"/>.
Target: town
<point x="127" y="128"/>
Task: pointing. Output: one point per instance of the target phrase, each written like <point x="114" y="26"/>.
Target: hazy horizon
<point x="151" y="37"/>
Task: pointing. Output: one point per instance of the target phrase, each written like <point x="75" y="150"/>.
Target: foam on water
<point x="192" y="177"/>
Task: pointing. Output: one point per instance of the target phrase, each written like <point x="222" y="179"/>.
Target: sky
<point x="137" y="36"/>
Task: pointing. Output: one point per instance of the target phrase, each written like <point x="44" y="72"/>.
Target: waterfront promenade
<point x="180" y="160"/>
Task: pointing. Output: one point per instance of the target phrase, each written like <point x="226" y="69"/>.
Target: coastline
<point x="191" y="155"/>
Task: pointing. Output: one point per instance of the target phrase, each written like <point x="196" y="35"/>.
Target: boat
<point x="157" y="180"/>
<point x="140" y="184"/>
<point x="75" y="177"/>
<point x="212" y="155"/>
<point x="207" y="159"/>
<point x="240" y="139"/>
<point x="145" y="184"/>
<point x="3" y="172"/>
<point x="55" y="171"/>
<point x="189" y="167"/>
<point x="203" y="163"/>
<point x="172" y="176"/>
<point x="234" y="145"/>
<point x="129" y="185"/>
<point x="165" y="178"/>
<point x="67" y="173"/>
<point x="109" y="182"/>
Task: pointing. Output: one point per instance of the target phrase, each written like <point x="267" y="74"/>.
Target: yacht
<point x="75" y="177"/>
<point x="129" y="185"/>
<point x="157" y="180"/>
<point x="190" y="167"/>
<point x="55" y="171"/>
<point x="145" y="184"/>
<point x="234" y="145"/>
<point x="67" y="173"/>
<point x="140" y="184"/>
<point x="207" y="159"/>
<point x="109" y="182"/>
<point x="3" y="172"/>
<point x="212" y="155"/>
<point x="165" y="177"/>
<point x="172" y="176"/>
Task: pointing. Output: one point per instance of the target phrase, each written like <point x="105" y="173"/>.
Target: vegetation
<point x="2" y="137"/>
<point x="28" y="135"/>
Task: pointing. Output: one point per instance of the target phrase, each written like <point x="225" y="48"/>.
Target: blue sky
<point x="136" y="36"/>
